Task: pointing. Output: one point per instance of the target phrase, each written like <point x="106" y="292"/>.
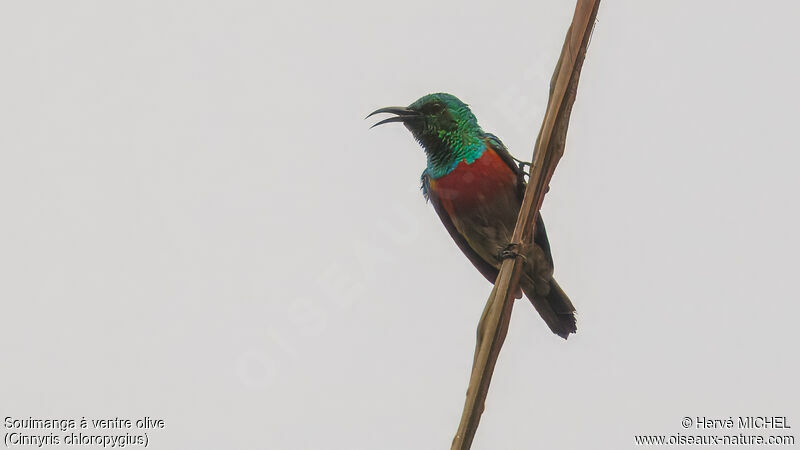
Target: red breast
<point x="469" y="185"/>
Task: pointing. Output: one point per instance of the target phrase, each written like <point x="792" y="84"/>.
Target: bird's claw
<point x="510" y="252"/>
<point x="522" y="165"/>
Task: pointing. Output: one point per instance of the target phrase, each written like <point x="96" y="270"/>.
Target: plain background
<point x="197" y="224"/>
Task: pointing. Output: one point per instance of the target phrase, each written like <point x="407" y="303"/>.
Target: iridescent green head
<point x="446" y="129"/>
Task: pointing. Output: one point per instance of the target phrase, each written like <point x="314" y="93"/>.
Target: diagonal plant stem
<point x="549" y="148"/>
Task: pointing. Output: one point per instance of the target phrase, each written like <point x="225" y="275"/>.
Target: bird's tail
<point x="555" y="307"/>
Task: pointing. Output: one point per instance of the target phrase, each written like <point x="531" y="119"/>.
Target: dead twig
<point x="549" y="148"/>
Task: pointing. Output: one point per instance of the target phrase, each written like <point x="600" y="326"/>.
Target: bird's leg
<point x="522" y="165"/>
<point x="520" y="162"/>
<point x="511" y="251"/>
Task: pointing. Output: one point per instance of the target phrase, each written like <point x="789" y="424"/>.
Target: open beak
<point x="403" y="114"/>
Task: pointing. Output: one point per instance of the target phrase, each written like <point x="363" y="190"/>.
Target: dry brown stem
<point x="549" y="148"/>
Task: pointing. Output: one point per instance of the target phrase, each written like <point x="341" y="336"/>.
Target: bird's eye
<point x="436" y="107"/>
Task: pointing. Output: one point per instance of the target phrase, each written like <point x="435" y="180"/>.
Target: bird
<point x="476" y="187"/>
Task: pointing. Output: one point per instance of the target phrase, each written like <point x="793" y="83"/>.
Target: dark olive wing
<point x="540" y="237"/>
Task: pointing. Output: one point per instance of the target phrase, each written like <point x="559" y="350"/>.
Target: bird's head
<point x="443" y="125"/>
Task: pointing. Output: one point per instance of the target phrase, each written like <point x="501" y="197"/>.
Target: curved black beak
<point x="403" y="114"/>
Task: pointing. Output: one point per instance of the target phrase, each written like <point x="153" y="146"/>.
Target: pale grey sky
<point x="199" y="226"/>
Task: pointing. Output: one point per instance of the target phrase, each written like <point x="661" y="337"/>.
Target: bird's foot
<point x="510" y="251"/>
<point x="522" y="165"/>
